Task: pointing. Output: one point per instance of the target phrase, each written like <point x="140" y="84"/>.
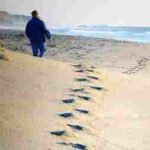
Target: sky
<point x="89" y="12"/>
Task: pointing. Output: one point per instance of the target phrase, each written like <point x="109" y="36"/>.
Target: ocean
<point x="133" y="34"/>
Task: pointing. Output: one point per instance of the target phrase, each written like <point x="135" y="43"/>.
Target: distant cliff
<point x="12" y="19"/>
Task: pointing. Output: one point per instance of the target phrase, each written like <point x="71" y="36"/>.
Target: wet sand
<point x="110" y="54"/>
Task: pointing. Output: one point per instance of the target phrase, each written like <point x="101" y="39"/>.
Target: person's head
<point x="34" y="13"/>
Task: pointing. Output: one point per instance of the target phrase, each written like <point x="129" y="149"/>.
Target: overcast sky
<point x="75" y="12"/>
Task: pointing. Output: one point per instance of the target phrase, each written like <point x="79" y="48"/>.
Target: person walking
<point x="37" y="33"/>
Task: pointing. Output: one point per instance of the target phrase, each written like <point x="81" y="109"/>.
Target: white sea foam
<point x="136" y="34"/>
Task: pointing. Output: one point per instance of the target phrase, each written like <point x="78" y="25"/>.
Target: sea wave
<point x="135" y="34"/>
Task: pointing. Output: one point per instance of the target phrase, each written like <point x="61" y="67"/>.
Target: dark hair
<point x="34" y="13"/>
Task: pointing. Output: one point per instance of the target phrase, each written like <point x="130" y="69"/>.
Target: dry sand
<point x="125" y="115"/>
<point x="31" y="91"/>
<point x="30" y="94"/>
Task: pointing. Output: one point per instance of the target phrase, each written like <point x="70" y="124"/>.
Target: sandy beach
<point x="87" y="93"/>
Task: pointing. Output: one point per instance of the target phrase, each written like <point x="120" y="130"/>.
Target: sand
<point x="32" y="90"/>
<point x="125" y="115"/>
<point x="30" y="93"/>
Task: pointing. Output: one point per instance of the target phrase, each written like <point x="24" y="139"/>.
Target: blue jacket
<point x="36" y="31"/>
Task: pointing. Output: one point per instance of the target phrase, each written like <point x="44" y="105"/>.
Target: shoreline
<point x="79" y="36"/>
<point x="110" y="54"/>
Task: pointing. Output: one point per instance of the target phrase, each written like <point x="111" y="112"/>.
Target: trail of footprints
<point x="81" y="94"/>
<point x="141" y="64"/>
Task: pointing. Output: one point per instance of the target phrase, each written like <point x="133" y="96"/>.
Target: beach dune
<point x="52" y="105"/>
<point x="30" y="90"/>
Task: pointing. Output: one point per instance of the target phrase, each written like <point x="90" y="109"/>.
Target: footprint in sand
<point x="141" y="64"/>
<point x="75" y="127"/>
<point x="77" y="65"/>
<point x="78" y="146"/>
<point x="77" y="90"/>
<point x="87" y="98"/>
<point x="73" y="95"/>
<point x="79" y="71"/>
<point x="89" y="70"/>
<point x="93" y="77"/>
<point x="82" y="80"/>
<point x="68" y="101"/>
<point x="66" y="115"/>
<point x="97" y="88"/>
<point x="93" y="67"/>
<point x="59" y="133"/>
<point x="82" y="111"/>
<point x="63" y="143"/>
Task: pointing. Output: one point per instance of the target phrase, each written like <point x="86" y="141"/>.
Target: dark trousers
<point x="38" y="49"/>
